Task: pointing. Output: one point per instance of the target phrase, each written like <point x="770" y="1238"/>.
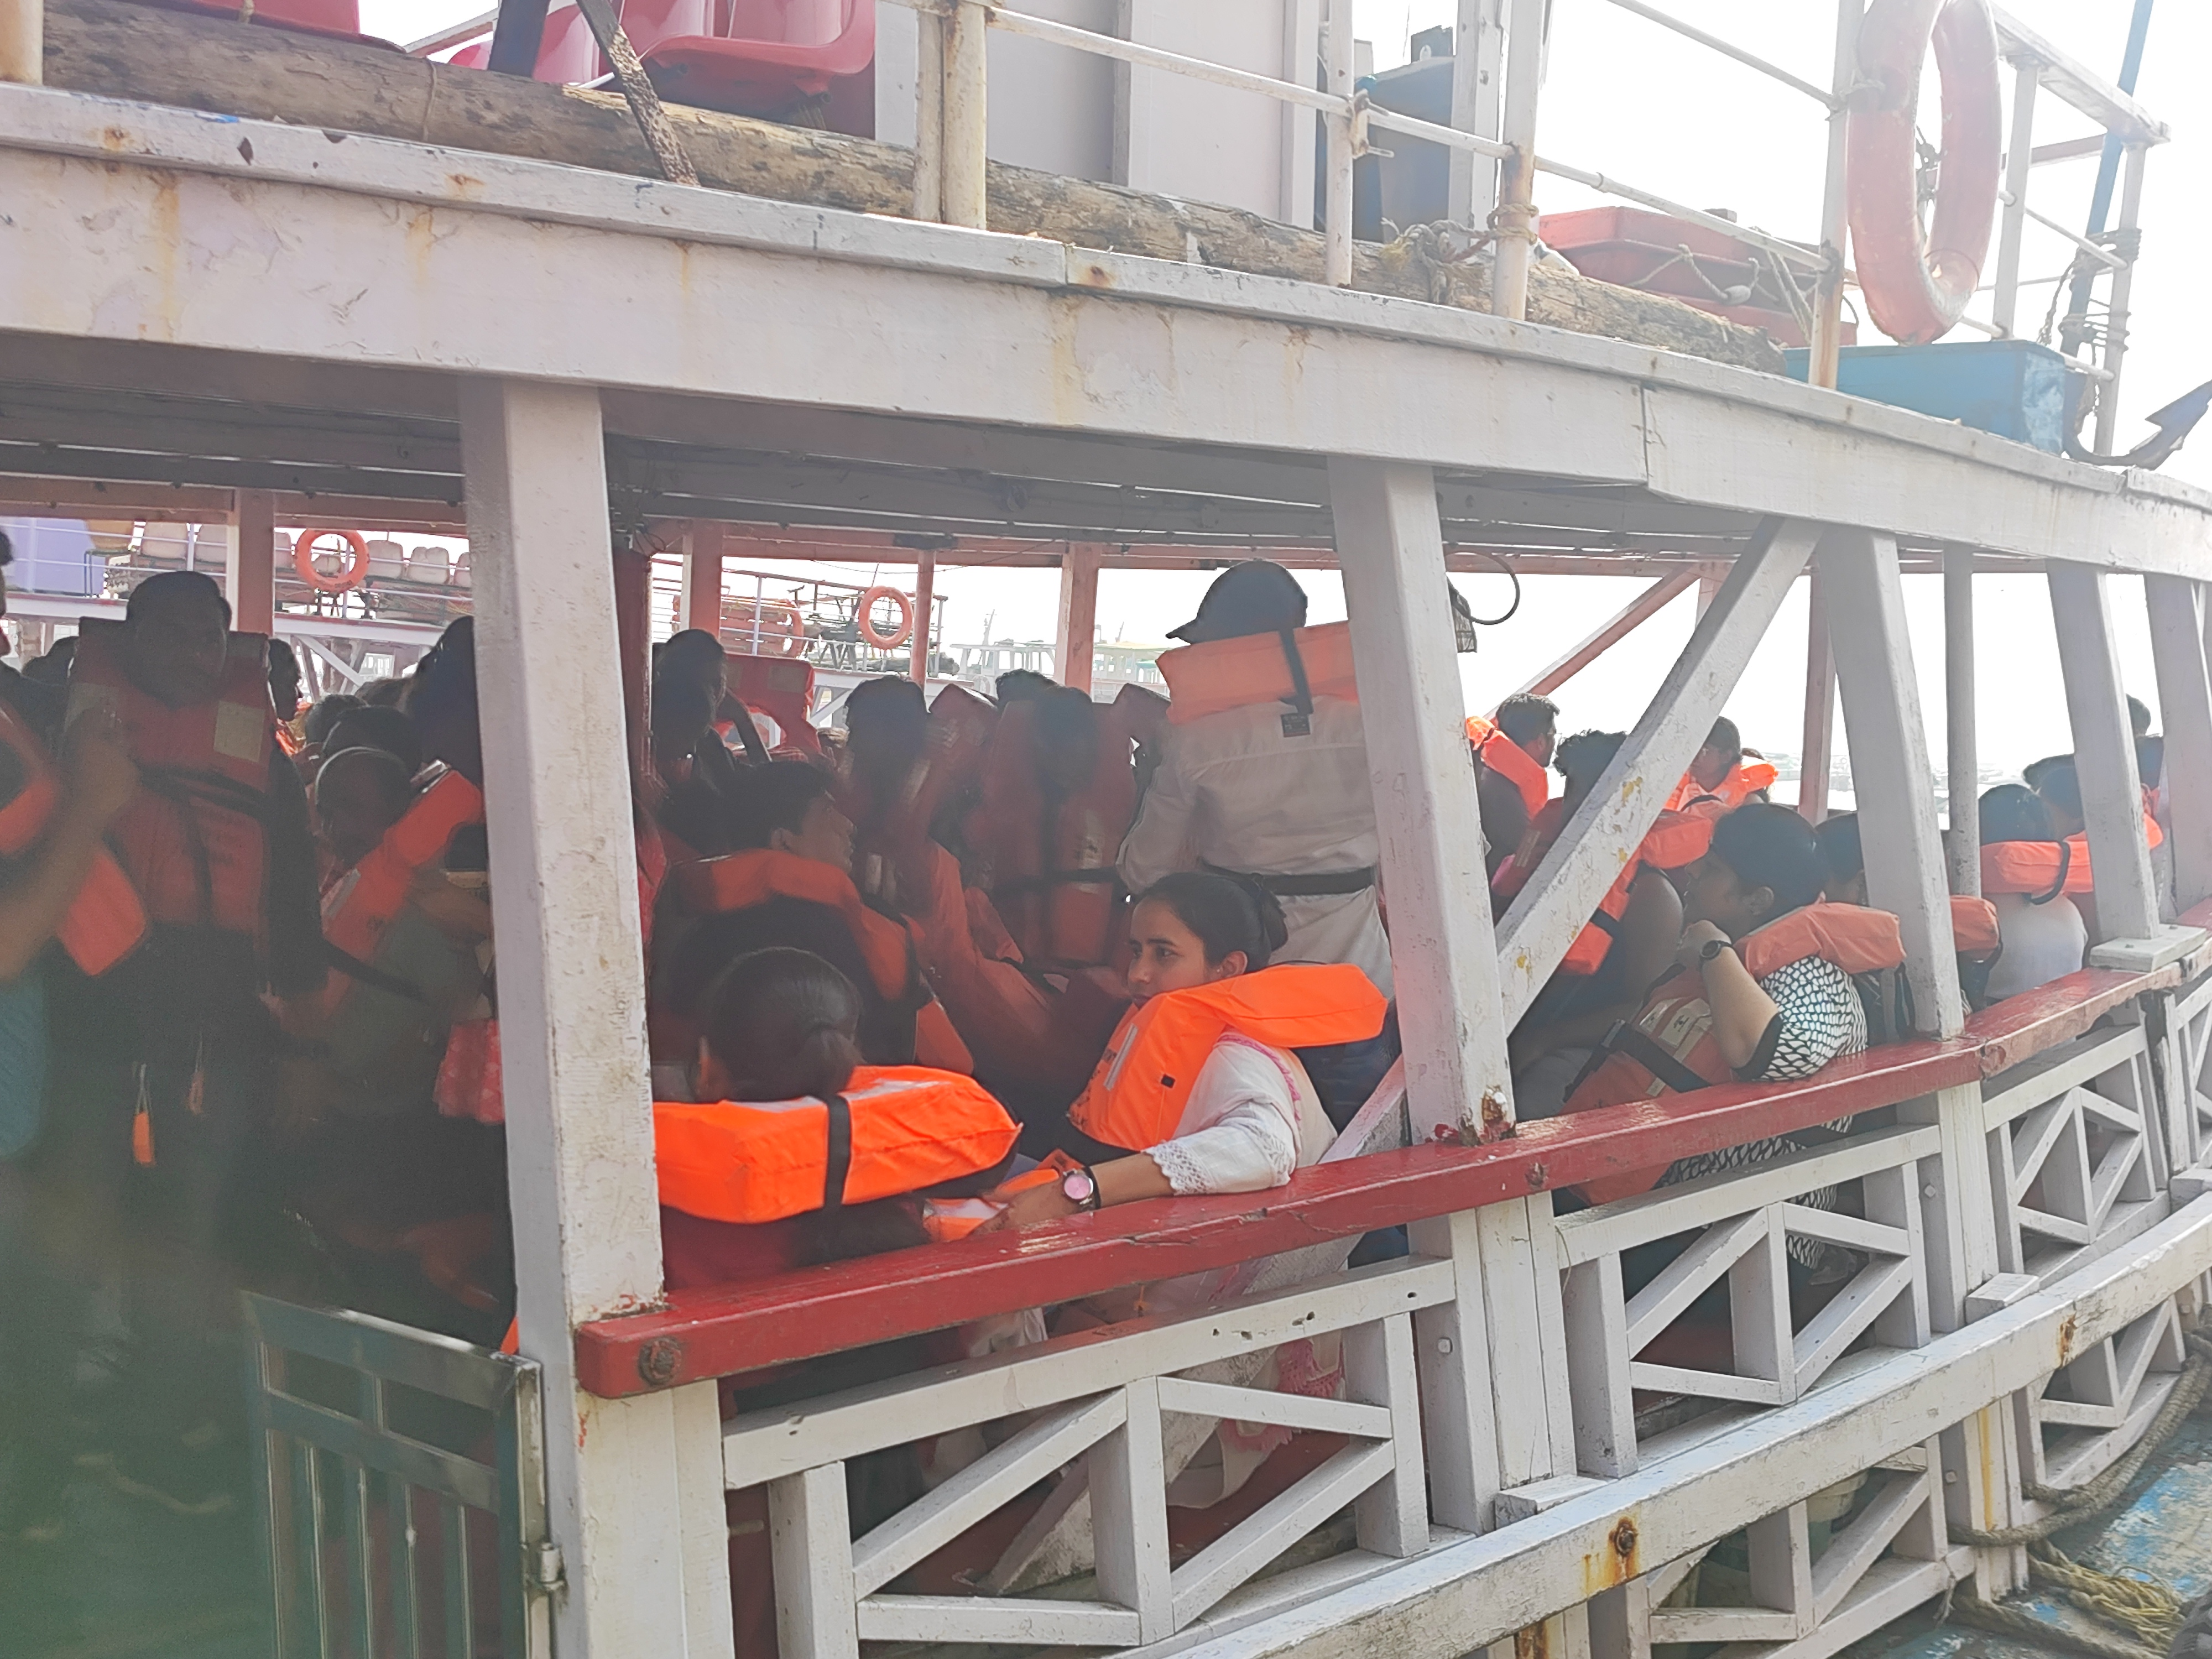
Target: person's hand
<point x="1033" y="1206"/>
<point x="98" y="773"/>
<point x="1690" y="946"/>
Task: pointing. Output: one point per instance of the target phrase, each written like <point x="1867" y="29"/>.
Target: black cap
<point x="1255" y="597"/>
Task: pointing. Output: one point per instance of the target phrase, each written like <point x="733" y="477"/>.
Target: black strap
<point x="840" y="1161"/>
<point x="1301" y="697"/>
<point x="1627" y="1039"/>
<point x="1329" y="883"/>
<point x="354" y="968"/>
<point x="1608" y="925"/>
<point x="2065" y="864"/>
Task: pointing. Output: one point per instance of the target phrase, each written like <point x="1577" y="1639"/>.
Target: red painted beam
<point x="2024" y="1025"/>
<point x="729" y="1330"/>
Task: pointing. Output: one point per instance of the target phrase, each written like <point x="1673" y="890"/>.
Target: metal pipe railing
<point x="1820" y="95"/>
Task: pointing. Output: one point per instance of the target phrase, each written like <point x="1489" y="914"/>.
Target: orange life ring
<point x="781" y="629"/>
<point x="866" y="618"/>
<point x="353" y="566"/>
<point x="1916" y="283"/>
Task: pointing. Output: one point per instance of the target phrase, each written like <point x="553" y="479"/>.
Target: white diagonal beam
<point x="1602" y="834"/>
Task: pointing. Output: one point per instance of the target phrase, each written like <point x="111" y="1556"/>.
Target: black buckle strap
<point x="1627" y="1039"/>
<point x="839" y="1164"/>
<point x="1299" y="723"/>
<point x="1329" y="883"/>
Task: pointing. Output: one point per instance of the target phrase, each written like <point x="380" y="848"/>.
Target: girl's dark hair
<point x="774" y="797"/>
<point x="1772" y="846"/>
<point x="783" y="1023"/>
<point x="1227" y="913"/>
<point x="2012" y="812"/>
<point x="324" y="714"/>
<point x="1586" y="754"/>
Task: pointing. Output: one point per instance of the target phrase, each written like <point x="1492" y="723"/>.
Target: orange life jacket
<point x="738" y="881"/>
<point x="104" y="921"/>
<point x="1670" y="1045"/>
<point x="193" y="838"/>
<point x="1747" y="780"/>
<point x="1224" y="674"/>
<point x="906" y="1127"/>
<point x="1675" y="839"/>
<point x="1050" y="858"/>
<point x="1136" y="1096"/>
<point x="362" y="903"/>
<point x="1511" y="762"/>
<point x="1973" y="926"/>
<point x="2044" y="869"/>
<point x="781" y="688"/>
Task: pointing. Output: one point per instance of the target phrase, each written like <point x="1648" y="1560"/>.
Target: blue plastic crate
<point x="2014" y="388"/>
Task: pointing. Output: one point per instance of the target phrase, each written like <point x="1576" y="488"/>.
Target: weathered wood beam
<point x="119" y="50"/>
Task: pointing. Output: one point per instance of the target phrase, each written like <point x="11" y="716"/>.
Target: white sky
<point x="1625" y="96"/>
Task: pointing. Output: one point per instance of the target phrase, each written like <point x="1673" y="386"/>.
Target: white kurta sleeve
<point x="1240" y="1129"/>
<point x="1158" y="843"/>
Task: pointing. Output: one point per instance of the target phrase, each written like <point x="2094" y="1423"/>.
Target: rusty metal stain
<point x="1533" y="1642"/>
<point x="1496" y="1126"/>
<point x="1618" y="1561"/>
<point x="1538" y="1173"/>
<point x="2066" y="1338"/>
<point x="1093" y="274"/>
<point x="466" y="186"/>
<point x="114" y="139"/>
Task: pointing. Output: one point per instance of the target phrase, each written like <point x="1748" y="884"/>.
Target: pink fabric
<point x="469" y="1083"/>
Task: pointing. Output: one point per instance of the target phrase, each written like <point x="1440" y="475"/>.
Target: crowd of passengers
<point x="984" y="964"/>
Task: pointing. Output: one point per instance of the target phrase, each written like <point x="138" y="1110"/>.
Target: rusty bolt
<point x="1624" y="1538"/>
<point x="1538" y="1173"/>
<point x="657" y="1361"/>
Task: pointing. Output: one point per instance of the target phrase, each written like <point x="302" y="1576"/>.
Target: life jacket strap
<point x="1329" y="883"/>
<point x="1645" y="1051"/>
<point x="839" y="1163"/>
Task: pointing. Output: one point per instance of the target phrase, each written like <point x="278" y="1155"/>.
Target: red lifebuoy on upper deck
<point x="352" y="566"/>
<point x="1917" y="282"/>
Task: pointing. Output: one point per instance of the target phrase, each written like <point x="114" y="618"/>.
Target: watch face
<point x="1078" y="1186"/>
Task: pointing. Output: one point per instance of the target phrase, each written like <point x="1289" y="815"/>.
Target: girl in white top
<point x="2043" y="938"/>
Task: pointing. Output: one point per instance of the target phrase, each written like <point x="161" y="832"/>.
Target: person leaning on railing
<point x="1763" y="991"/>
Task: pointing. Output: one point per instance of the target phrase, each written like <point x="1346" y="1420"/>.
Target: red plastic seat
<point x="567" y="53"/>
<point x="751" y="56"/>
<point x="307" y="16"/>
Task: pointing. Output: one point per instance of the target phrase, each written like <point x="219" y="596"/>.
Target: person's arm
<point x="98" y="780"/>
<point x="296" y="961"/>
<point x="1158" y="841"/>
<point x="1741" y="1012"/>
<point x="1504" y="816"/>
<point x="1650" y="927"/>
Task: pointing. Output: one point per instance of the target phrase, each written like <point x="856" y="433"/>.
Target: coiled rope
<point x="2150" y="1611"/>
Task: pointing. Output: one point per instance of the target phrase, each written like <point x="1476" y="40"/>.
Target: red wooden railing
<point x="729" y="1330"/>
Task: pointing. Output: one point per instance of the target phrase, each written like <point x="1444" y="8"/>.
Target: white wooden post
<point x="2116" y="308"/>
<point x="703" y="576"/>
<point x="1597" y="840"/>
<point x="572" y="1005"/>
<point x="1301" y="67"/>
<point x="1478" y="75"/>
<point x="1889" y="764"/>
<point x="925" y="612"/>
<point x="1078" y="613"/>
<point x="2184" y="701"/>
<point x="1962" y="746"/>
<point x="251" y="576"/>
<point x="929" y="64"/>
<point x="2104" y="752"/>
<point x="1443" y="956"/>
<point x="2026" y="76"/>
<point x="1827" y="341"/>
<point x="23" y="41"/>
<point x="966" y="116"/>
<point x="1336" y="226"/>
<point x="1816" y="755"/>
<point x="1515" y="215"/>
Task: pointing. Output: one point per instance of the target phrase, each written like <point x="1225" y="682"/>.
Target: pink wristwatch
<point x="1080" y="1189"/>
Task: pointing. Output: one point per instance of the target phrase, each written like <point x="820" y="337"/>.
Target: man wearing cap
<point x="1272" y="792"/>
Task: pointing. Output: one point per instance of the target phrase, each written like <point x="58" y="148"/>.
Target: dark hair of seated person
<point x="777" y="796"/>
<point x="2012" y="812"/>
<point x="1227" y="915"/>
<point x="373" y="726"/>
<point x="783" y="1025"/>
<point x="1772" y="846"/>
<point x="1839" y="835"/>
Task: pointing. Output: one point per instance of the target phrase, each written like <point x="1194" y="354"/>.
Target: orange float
<point x="866" y="617"/>
<point x="1917" y="282"/>
<point x="353" y="566"/>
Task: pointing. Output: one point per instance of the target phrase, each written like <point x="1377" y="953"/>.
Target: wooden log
<point x="120" y="50"/>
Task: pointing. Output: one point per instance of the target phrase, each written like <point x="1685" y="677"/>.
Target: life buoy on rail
<point x="1917" y="283"/>
<point x="353" y="563"/>
<point x="866" y="616"/>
